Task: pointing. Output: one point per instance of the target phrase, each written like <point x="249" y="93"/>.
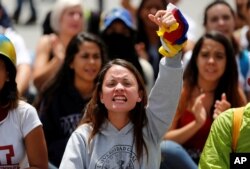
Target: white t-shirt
<point x="13" y="129"/>
<point x="22" y="53"/>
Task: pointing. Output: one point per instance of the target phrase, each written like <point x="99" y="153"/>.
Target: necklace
<point x="201" y="90"/>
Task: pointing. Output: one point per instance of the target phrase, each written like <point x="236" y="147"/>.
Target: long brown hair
<point x="228" y="83"/>
<point x="96" y="113"/>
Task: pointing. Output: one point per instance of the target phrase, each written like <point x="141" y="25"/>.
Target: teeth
<point x="119" y="98"/>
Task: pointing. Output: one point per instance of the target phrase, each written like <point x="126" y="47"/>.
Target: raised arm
<point x="164" y="96"/>
<point x="45" y="67"/>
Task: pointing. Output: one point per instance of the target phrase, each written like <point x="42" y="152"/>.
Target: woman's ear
<point x="139" y="99"/>
<point x="140" y="96"/>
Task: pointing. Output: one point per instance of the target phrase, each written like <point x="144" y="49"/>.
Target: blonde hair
<point x="58" y="10"/>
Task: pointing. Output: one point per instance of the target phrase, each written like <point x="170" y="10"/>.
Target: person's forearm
<point x="23" y="78"/>
<point x="49" y="71"/>
<point x="181" y="135"/>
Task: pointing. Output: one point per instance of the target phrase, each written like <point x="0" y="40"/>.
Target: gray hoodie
<point x="114" y="149"/>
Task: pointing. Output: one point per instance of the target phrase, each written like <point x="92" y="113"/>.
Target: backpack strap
<point x="237" y="120"/>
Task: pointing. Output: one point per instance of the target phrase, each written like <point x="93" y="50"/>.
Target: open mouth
<point x="119" y="99"/>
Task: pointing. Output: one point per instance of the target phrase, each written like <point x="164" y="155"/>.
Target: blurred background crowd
<point x="32" y="32"/>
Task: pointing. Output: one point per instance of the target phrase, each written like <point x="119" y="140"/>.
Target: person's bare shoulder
<point x="45" y="42"/>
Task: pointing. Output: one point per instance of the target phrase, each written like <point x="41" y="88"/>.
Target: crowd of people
<point x="132" y="87"/>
